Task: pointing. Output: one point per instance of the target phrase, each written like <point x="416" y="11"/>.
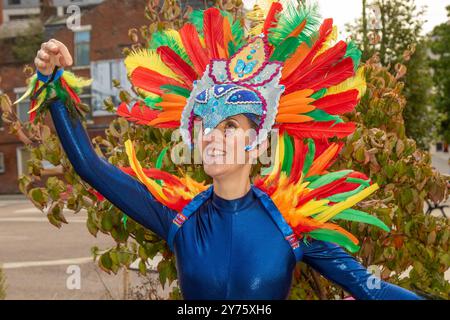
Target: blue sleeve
<point x="122" y="190"/>
<point x="335" y="264"/>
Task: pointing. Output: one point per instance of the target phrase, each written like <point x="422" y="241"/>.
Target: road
<point x="40" y="260"/>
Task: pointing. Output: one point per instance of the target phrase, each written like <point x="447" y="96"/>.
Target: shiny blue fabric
<point x="226" y="249"/>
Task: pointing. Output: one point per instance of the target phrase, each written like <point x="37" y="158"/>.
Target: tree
<point x="2" y="286"/>
<point x="440" y="46"/>
<point x="394" y="31"/>
<point x="379" y="148"/>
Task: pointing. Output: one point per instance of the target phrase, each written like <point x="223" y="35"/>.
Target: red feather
<point x="300" y="151"/>
<point x="139" y="113"/>
<point x="177" y="64"/>
<point x="337" y="74"/>
<point x="151" y="81"/>
<point x="271" y="19"/>
<point x="309" y="74"/>
<point x="33" y="102"/>
<point x="156" y="174"/>
<point x="321" y="192"/>
<point x="318" y="130"/>
<point x="142" y="114"/>
<point x="191" y="42"/>
<point x="325" y="29"/>
<point x="213" y="31"/>
<point x="338" y="103"/>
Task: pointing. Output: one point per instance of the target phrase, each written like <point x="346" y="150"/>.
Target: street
<point x="38" y="258"/>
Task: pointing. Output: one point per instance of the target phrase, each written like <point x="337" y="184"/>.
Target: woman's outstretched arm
<point x="126" y="193"/>
<point x="335" y="264"/>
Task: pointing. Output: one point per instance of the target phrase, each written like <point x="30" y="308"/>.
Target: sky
<point x="344" y="11"/>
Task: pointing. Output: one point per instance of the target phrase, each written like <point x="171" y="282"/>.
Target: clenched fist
<point x="52" y="53"/>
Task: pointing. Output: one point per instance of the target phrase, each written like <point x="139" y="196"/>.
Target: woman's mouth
<point x="213" y="155"/>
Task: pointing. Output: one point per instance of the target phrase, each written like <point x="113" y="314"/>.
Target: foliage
<point x="26" y="45"/>
<point x="395" y="36"/>
<point x="379" y="148"/>
<point x="2" y="285"/>
<point x="440" y="46"/>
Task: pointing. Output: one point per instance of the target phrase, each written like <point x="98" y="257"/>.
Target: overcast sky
<point x="344" y="11"/>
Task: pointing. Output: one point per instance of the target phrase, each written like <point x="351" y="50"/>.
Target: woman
<point x="233" y="239"/>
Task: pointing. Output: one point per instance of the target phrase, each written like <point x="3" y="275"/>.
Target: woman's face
<point x="223" y="148"/>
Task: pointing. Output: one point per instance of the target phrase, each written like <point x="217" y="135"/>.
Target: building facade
<point x="96" y="43"/>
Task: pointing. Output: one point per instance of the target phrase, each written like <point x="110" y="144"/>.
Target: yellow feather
<point x="328" y="42"/>
<point x="28" y="91"/>
<point x="357" y="82"/>
<point x="75" y="81"/>
<point x="351" y="201"/>
<point x="151" y="185"/>
<point x="148" y="58"/>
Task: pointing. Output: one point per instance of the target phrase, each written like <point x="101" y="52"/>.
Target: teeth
<point x="213" y="153"/>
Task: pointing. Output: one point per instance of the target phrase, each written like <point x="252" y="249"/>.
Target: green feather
<point x="151" y="101"/>
<point x="124" y="221"/>
<point x="309" y="158"/>
<point x="288" y="155"/>
<point x="320" y="115"/>
<point x="159" y="161"/>
<point x="360" y="216"/>
<point x="285" y="49"/>
<point x="319" y="94"/>
<point x="328" y="178"/>
<point x="359" y="181"/>
<point x="162" y="38"/>
<point x="176" y="90"/>
<point x="196" y="18"/>
<point x="292" y="16"/>
<point x="353" y="52"/>
<point x="161" y="155"/>
<point x="335" y="237"/>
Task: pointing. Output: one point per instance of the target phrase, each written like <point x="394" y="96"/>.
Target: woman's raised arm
<point x="126" y="193"/>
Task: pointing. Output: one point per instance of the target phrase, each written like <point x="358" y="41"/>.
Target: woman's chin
<point x="216" y="170"/>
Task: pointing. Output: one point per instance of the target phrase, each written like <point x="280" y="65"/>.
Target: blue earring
<point x="249" y="147"/>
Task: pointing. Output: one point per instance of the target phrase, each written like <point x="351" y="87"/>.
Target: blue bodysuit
<point x="225" y="249"/>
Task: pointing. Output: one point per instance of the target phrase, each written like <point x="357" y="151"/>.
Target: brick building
<point x="96" y="45"/>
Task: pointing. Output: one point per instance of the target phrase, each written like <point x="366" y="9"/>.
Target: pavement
<point x="41" y="261"/>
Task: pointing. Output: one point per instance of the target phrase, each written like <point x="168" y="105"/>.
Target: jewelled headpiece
<point x="246" y="83"/>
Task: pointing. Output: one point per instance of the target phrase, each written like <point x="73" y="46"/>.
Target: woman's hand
<point x="52" y="53"/>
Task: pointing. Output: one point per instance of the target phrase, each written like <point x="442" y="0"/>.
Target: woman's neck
<point x="232" y="186"/>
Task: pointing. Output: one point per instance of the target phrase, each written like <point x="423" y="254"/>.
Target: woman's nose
<point x="210" y="135"/>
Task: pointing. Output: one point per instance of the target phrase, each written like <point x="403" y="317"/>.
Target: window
<point x="82" y="47"/>
<point x="23" y="155"/>
<point x="13" y="2"/>
<point x="22" y="107"/>
<point x="2" y="162"/>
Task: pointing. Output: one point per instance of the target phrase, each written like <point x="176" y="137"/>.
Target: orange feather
<point x="292" y="118"/>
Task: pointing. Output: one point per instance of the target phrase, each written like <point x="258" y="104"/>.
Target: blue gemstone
<point x="252" y="51"/>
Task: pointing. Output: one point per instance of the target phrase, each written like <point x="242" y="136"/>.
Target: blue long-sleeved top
<point x="225" y="249"/>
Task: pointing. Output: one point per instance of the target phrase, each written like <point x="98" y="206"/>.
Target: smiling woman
<point x="234" y="239"/>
